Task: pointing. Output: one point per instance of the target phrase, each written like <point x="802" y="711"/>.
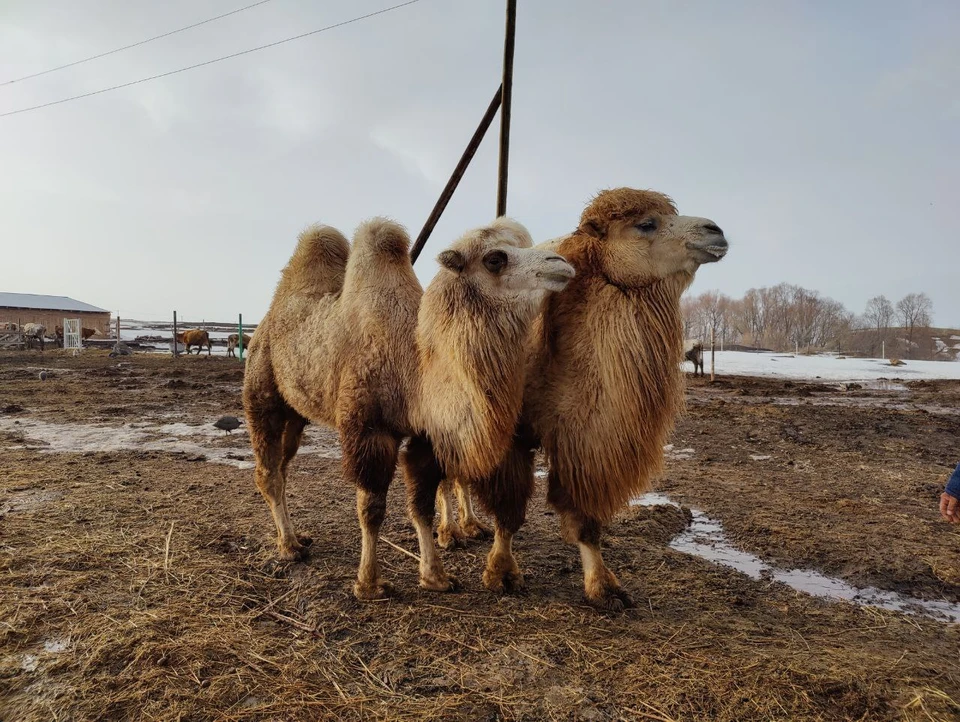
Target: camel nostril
<point x="713" y="228"/>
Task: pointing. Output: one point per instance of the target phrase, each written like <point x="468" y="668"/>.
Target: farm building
<point x="51" y="310"/>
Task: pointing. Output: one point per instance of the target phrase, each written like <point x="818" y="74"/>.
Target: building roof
<point x="38" y="302"/>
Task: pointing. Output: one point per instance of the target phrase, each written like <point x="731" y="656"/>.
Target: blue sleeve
<point x="953" y="486"/>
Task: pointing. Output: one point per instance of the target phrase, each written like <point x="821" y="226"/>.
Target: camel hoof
<point x="508" y="581"/>
<point x="293" y="552"/>
<point x="372" y="592"/>
<point x="445" y="583"/>
<point x="450" y="537"/>
<point x="612" y="599"/>
<point x="476" y="530"/>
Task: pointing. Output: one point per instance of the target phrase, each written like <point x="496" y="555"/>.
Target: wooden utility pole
<point x="506" y="106"/>
<point x="176" y="348"/>
<point x="118" y="329"/>
<point x="502" y="99"/>
<point x="713" y="354"/>
<point x="240" y="335"/>
<point x="455" y="178"/>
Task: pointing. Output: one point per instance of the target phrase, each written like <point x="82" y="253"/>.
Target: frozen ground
<point x="831" y="368"/>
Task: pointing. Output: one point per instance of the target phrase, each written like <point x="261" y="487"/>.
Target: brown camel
<point x="604" y="383"/>
<point x="353" y="342"/>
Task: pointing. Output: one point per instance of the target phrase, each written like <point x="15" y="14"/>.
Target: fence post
<point x="176" y="349"/>
<point x="713" y="353"/>
<point x="240" y="335"/>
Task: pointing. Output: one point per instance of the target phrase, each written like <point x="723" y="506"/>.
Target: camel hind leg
<point x="470" y="523"/>
<point x="274" y="430"/>
<point x="600" y="585"/>
<point x="449" y="533"/>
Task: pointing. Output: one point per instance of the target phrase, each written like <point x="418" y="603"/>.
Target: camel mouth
<point x="557" y="278"/>
<point x="710" y="253"/>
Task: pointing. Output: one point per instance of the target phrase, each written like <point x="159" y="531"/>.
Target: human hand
<point x="950" y="508"/>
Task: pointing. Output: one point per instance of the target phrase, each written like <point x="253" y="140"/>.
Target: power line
<point x="211" y="62"/>
<point x="133" y="45"/>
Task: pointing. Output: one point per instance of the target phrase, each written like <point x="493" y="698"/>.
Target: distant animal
<point x="8" y="326"/>
<point x="693" y="352"/>
<point x="195" y="337"/>
<point x="228" y="423"/>
<point x="85" y="333"/>
<point x="352" y="341"/>
<point x="605" y="382"/>
<point x="33" y="333"/>
<point x="233" y="341"/>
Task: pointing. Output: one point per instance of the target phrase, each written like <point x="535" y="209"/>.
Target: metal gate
<point x="71" y="334"/>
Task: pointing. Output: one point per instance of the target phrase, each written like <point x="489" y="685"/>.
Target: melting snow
<point x="705" y="538"/>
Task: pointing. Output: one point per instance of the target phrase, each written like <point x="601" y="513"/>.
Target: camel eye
<point x="495" y="261"/>
<point x="647" y="225"/>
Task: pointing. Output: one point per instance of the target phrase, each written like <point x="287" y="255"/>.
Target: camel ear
<point x="592" y="228"/>
<point x="453" y="260"/>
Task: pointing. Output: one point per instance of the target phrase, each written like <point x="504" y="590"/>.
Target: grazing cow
<point x="693" y="352"/>
<point x="85" y="333"/>
<point x="195" y="337"/>
<point x="233" y="340"/>
<point x="33" y="333"/>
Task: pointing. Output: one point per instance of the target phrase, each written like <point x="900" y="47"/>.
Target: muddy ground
<point x="140" y="582"/>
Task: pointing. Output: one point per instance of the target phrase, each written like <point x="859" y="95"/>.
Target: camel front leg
<point x="600" y="586"/>
<point x="369" y="460"/>
<point x="504" y="495"/>
<point x="422" y="475"/>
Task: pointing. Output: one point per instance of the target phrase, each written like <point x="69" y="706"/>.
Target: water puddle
<point x="172" y="438"/>
<point x="705" y="538"/>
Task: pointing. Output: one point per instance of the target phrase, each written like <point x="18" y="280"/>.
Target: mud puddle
<point x="705" y="538"/>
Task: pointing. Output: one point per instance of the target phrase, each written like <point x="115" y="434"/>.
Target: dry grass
<point x="159" y="603"/>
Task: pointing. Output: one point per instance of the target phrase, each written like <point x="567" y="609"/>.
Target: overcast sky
<point x="823" y="137"/>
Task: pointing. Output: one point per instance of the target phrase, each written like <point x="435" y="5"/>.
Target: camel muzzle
<point x="710" y="249"/>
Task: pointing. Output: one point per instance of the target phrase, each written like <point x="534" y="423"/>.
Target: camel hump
<point x="382" y="238"/>
<point x="319" y="262"/>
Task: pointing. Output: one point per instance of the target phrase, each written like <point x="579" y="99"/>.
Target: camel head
<point x="498" y="262"/>
<point x="637" y="238"/>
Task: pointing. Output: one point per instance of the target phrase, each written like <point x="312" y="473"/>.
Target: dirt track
<point x="141" y="582"/>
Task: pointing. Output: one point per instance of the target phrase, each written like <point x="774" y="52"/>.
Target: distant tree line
<point x="788" y="318"/>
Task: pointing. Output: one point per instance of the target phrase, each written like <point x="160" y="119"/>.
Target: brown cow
<point x="85" y="333"/>
<point x="195" y="337"/>
<point x="233" y="340"/>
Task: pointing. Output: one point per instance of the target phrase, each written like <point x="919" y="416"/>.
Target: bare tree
<point x="915" y="310"/>
<point x="879" y="316"/>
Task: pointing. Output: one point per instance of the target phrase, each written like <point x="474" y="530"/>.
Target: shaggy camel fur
<point x="353" y="342"/>
<point x="604" y="382"/>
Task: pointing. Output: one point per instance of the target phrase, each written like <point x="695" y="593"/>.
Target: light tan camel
<point x="605" y="382"/>
<point x="352" y="341"/>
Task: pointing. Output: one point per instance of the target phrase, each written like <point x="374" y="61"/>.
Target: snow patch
<point x="706" y="539"/>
